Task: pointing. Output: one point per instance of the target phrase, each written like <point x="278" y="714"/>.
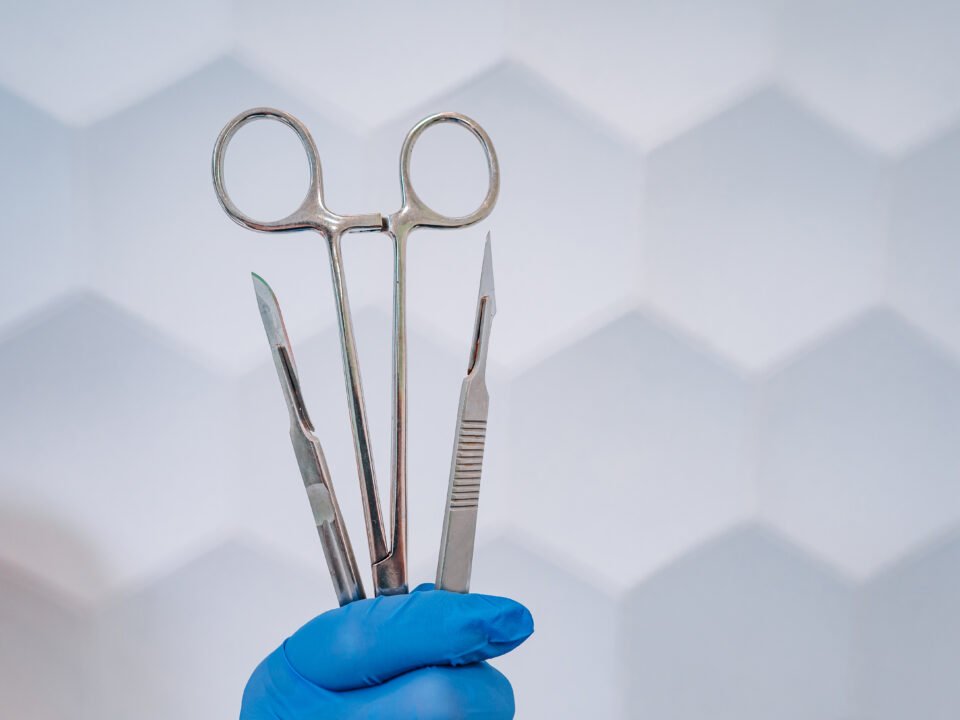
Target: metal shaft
<point x="390" y="574"/>
<point x="357" y="408"/>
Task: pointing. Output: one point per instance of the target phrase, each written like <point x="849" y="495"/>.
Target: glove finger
<point x="471" y="692"/>
<point x="368" y="642"/>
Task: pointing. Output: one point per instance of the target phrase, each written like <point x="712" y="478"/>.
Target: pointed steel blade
<point x="313" y="466"/>
<point x="270" y="314"/>
<point x="486" y="277"/>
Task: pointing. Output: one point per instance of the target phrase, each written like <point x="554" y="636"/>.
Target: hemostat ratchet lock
<point x="387" y="541"/>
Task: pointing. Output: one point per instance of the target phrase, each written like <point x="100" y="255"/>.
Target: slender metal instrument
<point x="415" y="213"/>
<point x="463" y="491"/>
<point x="313" y="466"/>
<point x="388" y="560"/>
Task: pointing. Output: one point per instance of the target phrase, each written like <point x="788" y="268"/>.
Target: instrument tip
<point x="260" y="285"/>
<point x="269" y="308"/>
<point x="486" y="275"/>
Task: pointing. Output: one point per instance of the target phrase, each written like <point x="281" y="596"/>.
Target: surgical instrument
<point x="313" y="465"/>
<point x="463" y="491"/>
<point x="388" y="562"/>
<point x="414" y="213"/>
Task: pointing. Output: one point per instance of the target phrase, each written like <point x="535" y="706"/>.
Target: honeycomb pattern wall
<point x="723" y="462"/>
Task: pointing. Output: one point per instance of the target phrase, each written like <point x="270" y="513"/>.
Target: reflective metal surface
<point x="463" y="492"/>
<point x="313" y="466"/>
<point x="414" y="213"/>
<point x="388" y="561"/>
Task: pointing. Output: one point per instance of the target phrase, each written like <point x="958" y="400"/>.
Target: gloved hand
<point x="402" y="657"/>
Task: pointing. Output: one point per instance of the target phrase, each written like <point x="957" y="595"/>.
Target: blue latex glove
<point x="402" y="657"/>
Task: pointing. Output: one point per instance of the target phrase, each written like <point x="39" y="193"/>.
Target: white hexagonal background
<point x="925" y="224"/>
<point x="886" y="72"/>
<point x="84" y="62"/>
<point x="721" y="467"/>
<point x="908" y="636"/>
<point x="357" y="61"/>
<point x="45" y="657"/>
<point x="857" y="455"/>
<point x="664" y="466"/>
<point x="730" y="628"/>
<point x="651" y="68"/>
<point x="108" y="436"/>
<point x="764" y="227"/>
<point x="41" y="247"/>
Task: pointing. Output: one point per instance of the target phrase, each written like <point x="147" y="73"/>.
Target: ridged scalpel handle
<point x="460" y="519"/>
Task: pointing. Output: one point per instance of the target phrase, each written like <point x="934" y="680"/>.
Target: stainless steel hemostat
<point x="388" y="560"/>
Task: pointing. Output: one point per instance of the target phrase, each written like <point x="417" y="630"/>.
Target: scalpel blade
<point x="313" y="466"/>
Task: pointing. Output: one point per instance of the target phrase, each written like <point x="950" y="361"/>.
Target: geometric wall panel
<point x="858" y="445"/>
<point x="908" y="640"/>
<point x="924" y="251"/>
<point x="40" y="254"/>
<point x="44" y="655"/>
<point x="650" y="69"/>
<point x="663" y="468"/>
<point x="764" y="227"/>
<point x="83" y="61"/>
<point x="366" y="82"/>
<point x="110" y="452"/>
<point x="886" y="72"/>
<point x="744" y="628"/>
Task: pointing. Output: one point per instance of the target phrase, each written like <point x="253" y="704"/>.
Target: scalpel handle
<point x="334" y="540"/>
<point x="313" y="466"/>
<point x="463" y="491"/>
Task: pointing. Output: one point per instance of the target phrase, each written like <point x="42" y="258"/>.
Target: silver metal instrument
<point x="388" y="561"/>
<point x="463" y="491"/>
<point x="313" y="466"/>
